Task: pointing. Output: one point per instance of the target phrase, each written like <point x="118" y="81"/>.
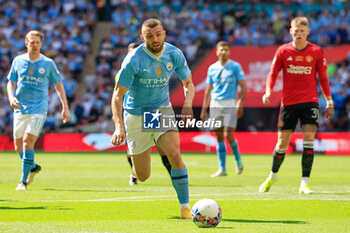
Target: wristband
<point x="330" y="102"/>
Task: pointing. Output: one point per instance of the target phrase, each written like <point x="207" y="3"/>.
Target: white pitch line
<point x="262" y="196"/>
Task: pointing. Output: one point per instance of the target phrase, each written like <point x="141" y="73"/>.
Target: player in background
<point x="27" y="89"/>
<point x="133" y="178"/>
<point x="224" y="77"/>
<point x="300" y="61"/>
<point x="144" y="80"/>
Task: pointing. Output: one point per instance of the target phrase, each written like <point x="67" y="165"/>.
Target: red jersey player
<point x="300" y="60"/>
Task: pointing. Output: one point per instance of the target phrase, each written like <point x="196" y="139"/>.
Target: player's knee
<point x="282" y="144"/>
<point x="174" y="154"/>
<point x="27" y="145"/>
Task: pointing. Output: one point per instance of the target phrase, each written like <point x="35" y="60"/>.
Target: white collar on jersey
<point x="151" y="54"/>
<point x="26" y="56"/>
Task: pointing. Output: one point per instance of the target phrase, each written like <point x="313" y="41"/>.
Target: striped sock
<point x="179" y="179"/>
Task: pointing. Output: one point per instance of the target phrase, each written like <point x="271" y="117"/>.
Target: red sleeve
<point x="276" y="66"/>
<point x="322" y="75"/>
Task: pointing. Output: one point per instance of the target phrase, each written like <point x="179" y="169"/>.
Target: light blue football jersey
<point x="147" y="77"/>
<point x="225" y="79"/>
<point x="33" y="82"/>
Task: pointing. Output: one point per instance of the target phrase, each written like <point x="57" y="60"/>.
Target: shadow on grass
<point x="264" y="221"/>
<point x="35" y="208"/>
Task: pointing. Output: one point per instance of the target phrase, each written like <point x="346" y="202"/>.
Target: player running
<point x="165" y="161"/>
<point x="27" y="91"/>
<point x="144" y="80"/>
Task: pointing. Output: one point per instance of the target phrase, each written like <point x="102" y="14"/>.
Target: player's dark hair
<point x="151" y="23"/>
<point x="222" y="43"/>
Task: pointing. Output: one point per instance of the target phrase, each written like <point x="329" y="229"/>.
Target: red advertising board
<point x="248" y="142"/>
<point x="256" y="63"/>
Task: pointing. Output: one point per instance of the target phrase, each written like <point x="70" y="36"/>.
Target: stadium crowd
<point x="192" y="25"/>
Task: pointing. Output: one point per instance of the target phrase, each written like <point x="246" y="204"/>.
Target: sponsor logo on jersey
<point x="31" y="79"/>
<point x="154" y="82"/>
<point x="159" y="71"/>
<point x="169" y="66"/>
<point x="299" y="58"/>
<point x="309" y="58"/>
<point x="289" y="59"/>
<point x="299" y="69"/>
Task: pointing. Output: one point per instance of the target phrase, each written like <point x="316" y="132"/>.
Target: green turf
<point x="89" y="192"/>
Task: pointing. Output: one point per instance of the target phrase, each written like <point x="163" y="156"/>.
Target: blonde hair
<point x="34" y="33"/>
<point x="300" y="21"/>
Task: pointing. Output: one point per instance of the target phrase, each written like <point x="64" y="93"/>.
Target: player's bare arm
<point x="119" y="135"/>
<point x="62" y="96"/>
<point x="206" y="102"/>
<point x="240" y="101"/>
<point x="189" y="90"/>
<point x="11" y="86"/>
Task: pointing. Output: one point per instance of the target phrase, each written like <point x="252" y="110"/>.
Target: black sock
<point x="278" y="157"/>
<point x="166" y="163"/>
<point x="307" y="159"/>
<point x="129" y="160"/>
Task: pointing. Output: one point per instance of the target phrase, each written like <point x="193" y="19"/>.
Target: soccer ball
<point x="206" y="213"/>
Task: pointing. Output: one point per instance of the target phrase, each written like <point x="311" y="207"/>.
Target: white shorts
<point x="140" y="139"/>
<point x="27" y="123"/>
<point x="224" y="111"/>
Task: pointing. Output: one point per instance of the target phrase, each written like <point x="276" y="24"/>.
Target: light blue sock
<point x="221" y="153"/>
<point x="21" y="156"/>
<point x="236" y="153"/>
<point x="27" y="164"/>
<point x="180" y="183"/>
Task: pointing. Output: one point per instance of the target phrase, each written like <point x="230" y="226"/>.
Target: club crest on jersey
<point x="159" y="71"/>
<point x="41" y="70"/>
<point x="309" y="58"/>
<point x="31" y="71"/>
<point x="299" y="58"/>
<point x="169" y="66"/>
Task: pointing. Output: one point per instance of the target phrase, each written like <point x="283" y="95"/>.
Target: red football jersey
<point x="299" y="73"/>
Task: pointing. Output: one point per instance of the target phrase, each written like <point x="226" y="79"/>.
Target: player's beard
<point x="155" y="50"/>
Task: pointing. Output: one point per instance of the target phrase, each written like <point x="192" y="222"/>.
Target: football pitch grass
<point x="89" y="192"/>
